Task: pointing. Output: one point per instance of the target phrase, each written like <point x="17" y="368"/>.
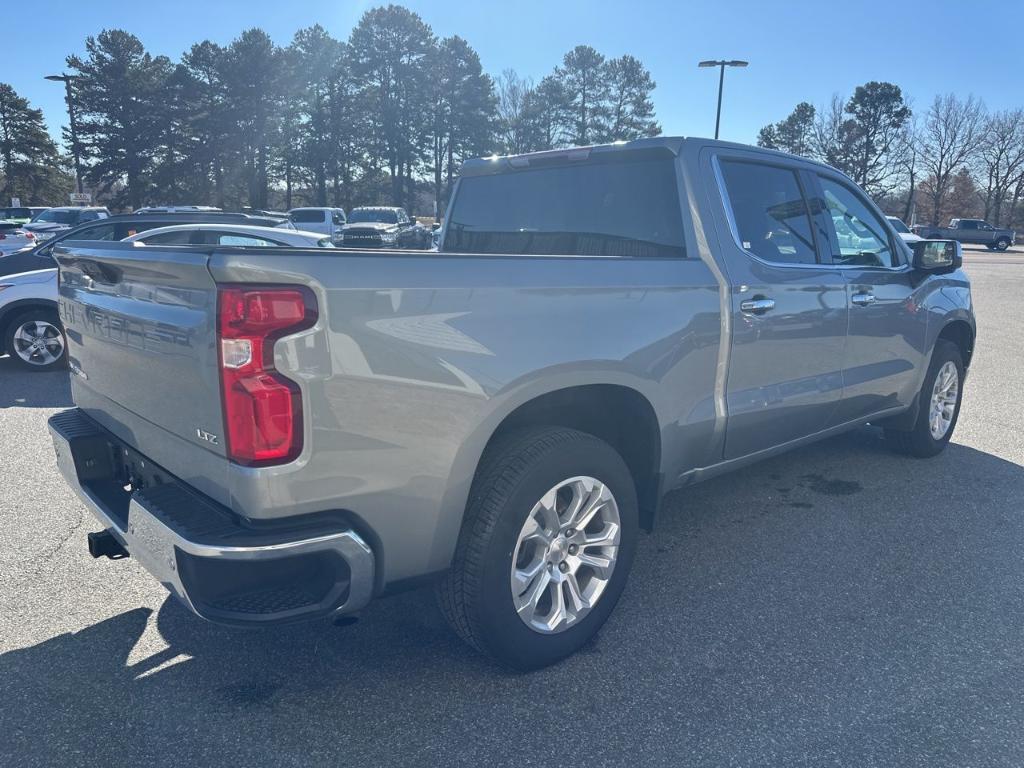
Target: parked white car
<point x="903" y="230"/>
<point x="230" y="234"/>
<point x="30" y="330"/>
<point x="13" y="237"/>
<point x="327" y="221"/>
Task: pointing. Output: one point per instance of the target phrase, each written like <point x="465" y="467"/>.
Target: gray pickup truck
<point x="283" y="434"/>
<point x="973" y="231"/>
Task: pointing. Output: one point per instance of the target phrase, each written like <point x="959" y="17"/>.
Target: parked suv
<point x="48" y="223"/>
<point x="30" y="331"/>
<point x="277" y="436"/>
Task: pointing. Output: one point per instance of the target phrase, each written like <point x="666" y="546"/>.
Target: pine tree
<point x="118" y="98"/>
<point x="390" y="48"/>
<point x="464" y="111"/>
<point x="584" y="82"/>
<point x="631" y="111"/>
<point x="30" y="168"/>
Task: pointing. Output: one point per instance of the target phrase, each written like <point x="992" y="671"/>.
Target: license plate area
<point x="126" y="471"/>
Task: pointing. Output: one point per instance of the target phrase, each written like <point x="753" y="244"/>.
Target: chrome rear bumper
<point x="222" y="567"/>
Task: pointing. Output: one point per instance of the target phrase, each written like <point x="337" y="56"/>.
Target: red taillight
<point x="29" y="236"/>
<point x="262" y="408"/>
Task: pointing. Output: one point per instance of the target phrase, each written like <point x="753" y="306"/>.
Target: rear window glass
<point x="307" y="217"/>
<point x="617" y="207"/>
<point x="771" y="215"/>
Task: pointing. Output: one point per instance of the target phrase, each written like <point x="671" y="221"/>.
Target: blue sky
<point x="797" y="50"/>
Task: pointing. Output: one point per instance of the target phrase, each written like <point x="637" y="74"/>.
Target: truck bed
<point x="413" y="359"/>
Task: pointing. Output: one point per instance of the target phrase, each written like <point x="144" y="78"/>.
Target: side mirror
<point x="937" y="256"/>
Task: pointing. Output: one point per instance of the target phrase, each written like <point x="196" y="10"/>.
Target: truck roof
<point x="498" y="163"/>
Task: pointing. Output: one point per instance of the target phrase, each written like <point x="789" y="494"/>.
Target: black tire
<point x="919" y="441"/>
<point x="15" y="347"/>
<point x="1002" y="244"/>
<point x="515" y="472"/>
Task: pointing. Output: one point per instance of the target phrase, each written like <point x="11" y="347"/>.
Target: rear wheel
<point x="545" y="549"/>
<point x="1002" y="243"/>
<point x="35" y="340"/>
<point x="939" y="405"/>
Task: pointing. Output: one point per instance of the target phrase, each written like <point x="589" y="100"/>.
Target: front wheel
<point x="939" y="405"/>
<point x="35" y="340"/>
<point x="1002" y="244"/>
<point x="545" y="549"/>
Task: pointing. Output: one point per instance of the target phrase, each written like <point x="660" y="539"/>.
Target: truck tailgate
<point x="141" y="330"/>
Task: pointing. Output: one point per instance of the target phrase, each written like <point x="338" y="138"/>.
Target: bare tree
<point x="1001" y="159"/>
<point x="951" y="135"/>
<point x="909" y="165"/>
<point x="827" y="138"/>
<point x="513" y="103"/>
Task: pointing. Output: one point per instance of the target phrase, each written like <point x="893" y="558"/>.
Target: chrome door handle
<point x="757" y="306"/>
<point x="863" y="299"/>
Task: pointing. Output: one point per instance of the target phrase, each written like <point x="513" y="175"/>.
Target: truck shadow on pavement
<point x="20" y="388"/>
<point x="838" y="603"/>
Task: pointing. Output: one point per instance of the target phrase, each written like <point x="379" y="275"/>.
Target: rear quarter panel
<point x="417" y="358"/>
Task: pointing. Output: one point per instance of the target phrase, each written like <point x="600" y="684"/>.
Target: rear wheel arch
<point x="619" y="415"/>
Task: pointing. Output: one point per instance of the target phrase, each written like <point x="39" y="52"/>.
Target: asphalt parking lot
<point x="839" y="605"/>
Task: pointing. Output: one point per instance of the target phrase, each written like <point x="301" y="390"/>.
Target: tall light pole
<point x="722" y="64"/>
<point x="76" y="151"/>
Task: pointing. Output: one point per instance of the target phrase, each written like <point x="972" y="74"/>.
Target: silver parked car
<point x="30" y="330"/>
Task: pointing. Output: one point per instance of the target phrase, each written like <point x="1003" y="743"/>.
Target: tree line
<point x="954" y="159"/>
<point x="386" y="116"/>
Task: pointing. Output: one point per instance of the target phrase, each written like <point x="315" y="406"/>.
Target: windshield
<point x="58" y="217"/>
<point x="627" y="205"/>
<point x="15" y="213"/>
<point x="382" y="215"/>
<point x="898" y="225"/>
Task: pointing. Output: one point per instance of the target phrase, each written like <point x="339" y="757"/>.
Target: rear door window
<point x="625" y="205"/>
<point x="771" y="215"/>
